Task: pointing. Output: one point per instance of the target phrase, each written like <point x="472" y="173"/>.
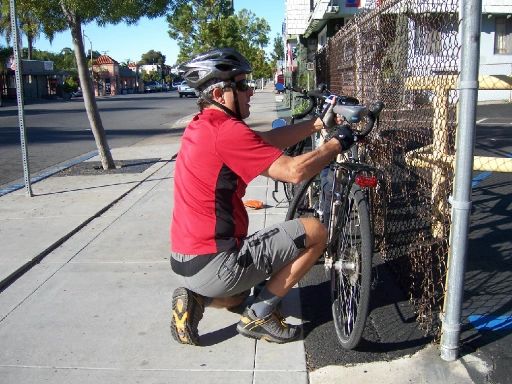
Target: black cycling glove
<point x="344" y="135"/>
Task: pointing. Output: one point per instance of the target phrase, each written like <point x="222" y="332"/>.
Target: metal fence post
<point x="470" y="13"/>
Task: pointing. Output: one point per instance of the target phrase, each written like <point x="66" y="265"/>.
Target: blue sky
<point x="123" y="42"/>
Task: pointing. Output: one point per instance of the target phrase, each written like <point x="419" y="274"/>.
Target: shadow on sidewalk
<point x="219" y="335"/>
<point x="390" y="332"/>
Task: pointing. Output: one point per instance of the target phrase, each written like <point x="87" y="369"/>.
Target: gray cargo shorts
<point x="228" y="273"/>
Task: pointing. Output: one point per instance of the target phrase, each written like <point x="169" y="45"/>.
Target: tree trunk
<point x="91" y="107"/>
<point x="30" y="44"/>
<point x="1" y="86"/>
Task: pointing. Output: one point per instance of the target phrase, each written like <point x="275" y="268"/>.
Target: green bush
<point x="300" y="106"/>
<point x="70" y="85"/>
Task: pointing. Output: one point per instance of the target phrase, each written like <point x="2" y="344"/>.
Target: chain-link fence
<point x="405" y="53"/>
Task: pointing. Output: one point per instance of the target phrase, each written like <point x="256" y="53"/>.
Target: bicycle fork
<point x="339" y="198"/>
<point x="340" y="208"/>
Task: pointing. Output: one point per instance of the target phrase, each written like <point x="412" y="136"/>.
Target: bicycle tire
<point x="306" y="200"/>
<point x="294" y="150"/>
<point x="288" y="191"/>
<point x="350" y="285"/>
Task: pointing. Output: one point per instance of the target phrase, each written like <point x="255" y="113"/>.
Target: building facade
<point x="310" y="23"/>
<point x="110" y="78"/>
<point x="40" y="80"/>
<point x="496" y="45"/>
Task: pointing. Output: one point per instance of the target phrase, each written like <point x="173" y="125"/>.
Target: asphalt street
<point x="58" y="131"/>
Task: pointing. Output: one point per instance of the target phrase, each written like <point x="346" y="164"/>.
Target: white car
<point x="185" y="90"/>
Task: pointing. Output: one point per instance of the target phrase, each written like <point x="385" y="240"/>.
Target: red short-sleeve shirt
<point x="219" y="156"/>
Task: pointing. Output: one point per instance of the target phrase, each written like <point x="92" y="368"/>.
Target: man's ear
<point x="217" y="94"/>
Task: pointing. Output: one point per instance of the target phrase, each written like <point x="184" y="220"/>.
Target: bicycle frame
<point x="350" y="242"/>
<point x="345" y="174"/>
<point x="298" y="148"/>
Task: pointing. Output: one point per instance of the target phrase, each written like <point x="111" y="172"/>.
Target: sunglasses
<point x="241" y="85"/>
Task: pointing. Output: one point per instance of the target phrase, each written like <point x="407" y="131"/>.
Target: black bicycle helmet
<point x="220" y="64"/>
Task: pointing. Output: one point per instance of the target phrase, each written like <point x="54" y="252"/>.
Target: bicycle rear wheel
<point x="306" y="200"/>
<point x="289" y="189"/>
<point x="295" y="150"/>
<point x="351" y="272"/>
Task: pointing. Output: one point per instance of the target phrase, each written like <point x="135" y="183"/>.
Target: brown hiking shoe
<point x="271" y="328"/>
<point x="187" y="311"/>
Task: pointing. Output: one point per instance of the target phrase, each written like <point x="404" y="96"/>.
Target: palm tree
<point x="28" y="23"/>
<point x="4" y="55"/>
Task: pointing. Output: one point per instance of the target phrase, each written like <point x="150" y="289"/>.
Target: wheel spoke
<point x="305" y="202"/>
<point x="348" y="270"/>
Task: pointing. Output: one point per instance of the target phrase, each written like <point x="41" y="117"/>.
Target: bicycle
<point x="349" y="248"/>
<point x="313" y="107"/>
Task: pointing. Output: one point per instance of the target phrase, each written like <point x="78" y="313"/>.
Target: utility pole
<point x="470" y="13"/>
<point x="20" y="97"/>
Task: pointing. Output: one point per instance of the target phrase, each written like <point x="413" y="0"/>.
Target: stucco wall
<point x="491" y="64"/>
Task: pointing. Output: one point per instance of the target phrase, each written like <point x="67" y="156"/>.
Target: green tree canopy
<point x="60" y="15"/>
<point x="151" y="76"/>
<point x="278" y="53"/>
<point x="152" y="57"/>
<point x="29" y="23"/>
<point x="200" y="25"/>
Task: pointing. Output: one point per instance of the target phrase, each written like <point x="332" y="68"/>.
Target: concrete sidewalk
<point x="88" y="286"/>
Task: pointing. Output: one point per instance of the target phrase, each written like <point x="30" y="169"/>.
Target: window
<point x="503" y="36"/>
<point x="434" y="33"/>
<point x="427" y="40"/>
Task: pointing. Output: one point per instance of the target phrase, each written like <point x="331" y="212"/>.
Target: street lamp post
<point x="92" y="71"/>
<point x="90" y="42"/>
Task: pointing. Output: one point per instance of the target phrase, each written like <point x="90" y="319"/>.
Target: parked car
<point x="252" y="83"/>
<point x="185" y="90"/>
<point x="77" y="93"/>
<point x="152" y="86"/>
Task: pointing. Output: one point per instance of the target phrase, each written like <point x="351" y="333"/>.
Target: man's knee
<point x="315" y="231"/>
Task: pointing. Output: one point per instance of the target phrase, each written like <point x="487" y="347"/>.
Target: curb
<point x="183" y="121"/>
<point x="16" y="185"/>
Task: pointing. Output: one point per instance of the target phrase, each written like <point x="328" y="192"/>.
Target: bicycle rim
<point x="306" y="200"/>
<point x="351" y="273"/>
<point x="289" y="189"/>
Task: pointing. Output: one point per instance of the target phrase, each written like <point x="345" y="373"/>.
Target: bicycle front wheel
<point x="351" y="272"/>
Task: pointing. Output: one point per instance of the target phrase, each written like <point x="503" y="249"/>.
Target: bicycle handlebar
<point x="352" y="111"/>
<point x="312" y="96"/>
<point x="321" y="93"/>
<point x="373" y="115"/>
